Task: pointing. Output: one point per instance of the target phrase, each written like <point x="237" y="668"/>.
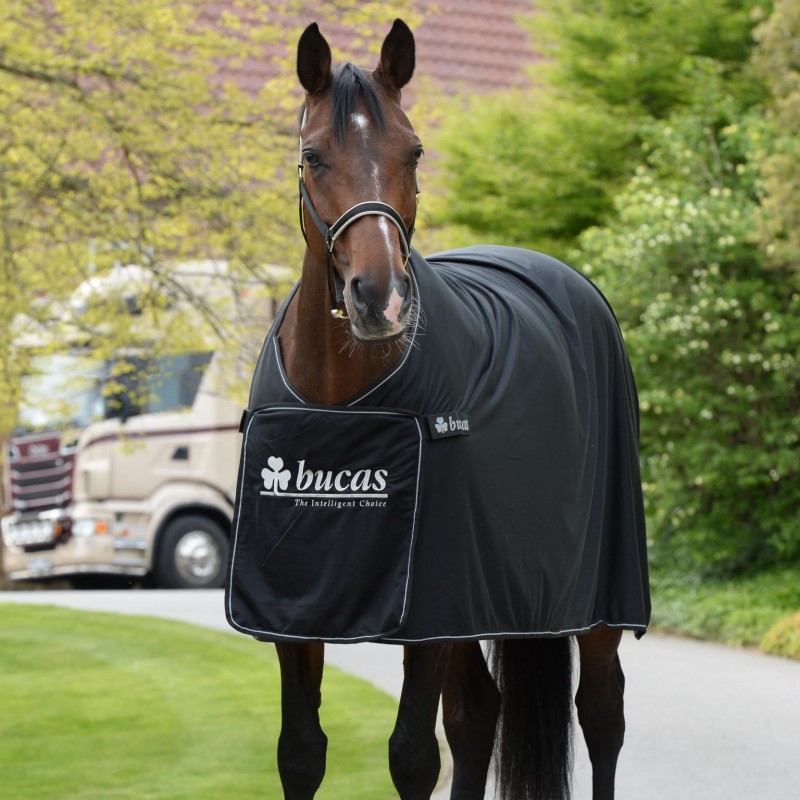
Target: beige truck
<point x="127" y="466"/>
<point x="108" y="484"/>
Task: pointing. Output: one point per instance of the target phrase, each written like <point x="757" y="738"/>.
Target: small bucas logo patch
<point x="452" y="424"/>
<point x="363" y="488"/>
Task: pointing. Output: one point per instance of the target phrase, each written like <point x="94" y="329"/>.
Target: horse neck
<point x="319" y="354"/>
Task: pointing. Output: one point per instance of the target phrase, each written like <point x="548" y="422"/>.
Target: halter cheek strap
<point x="331" y="233"/>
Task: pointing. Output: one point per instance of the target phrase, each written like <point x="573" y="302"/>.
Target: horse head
<point x="358" y="162"/>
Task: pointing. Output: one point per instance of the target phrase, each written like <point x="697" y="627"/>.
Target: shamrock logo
<point x="441" y="425"/>
<point x="275" y="476"/>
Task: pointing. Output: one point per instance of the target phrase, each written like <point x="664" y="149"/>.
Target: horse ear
<point x="397" y="57"/>
<point x="313" y="60"/>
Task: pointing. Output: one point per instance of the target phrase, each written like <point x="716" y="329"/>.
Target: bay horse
<point x="347" y="325"/>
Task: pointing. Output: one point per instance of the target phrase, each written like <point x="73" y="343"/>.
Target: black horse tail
<point x="533" y="753"/>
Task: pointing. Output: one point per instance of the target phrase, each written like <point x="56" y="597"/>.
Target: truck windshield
<point x="62" y="391"/>
<point x="165" y="383"/>
<point x="73" y="390"/>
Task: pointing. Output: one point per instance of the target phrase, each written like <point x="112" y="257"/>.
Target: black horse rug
<point x="487" y="486"/>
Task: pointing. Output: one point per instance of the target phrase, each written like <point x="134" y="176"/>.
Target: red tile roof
<point x="461" y="44"/>
<point x="475" y="43"/>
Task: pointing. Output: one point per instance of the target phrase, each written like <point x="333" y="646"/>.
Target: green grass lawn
<point x="105" y="706"/>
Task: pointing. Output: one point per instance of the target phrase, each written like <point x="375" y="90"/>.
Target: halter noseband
<point x="330" y="233"/>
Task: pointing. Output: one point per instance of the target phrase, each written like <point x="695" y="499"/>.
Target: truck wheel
<point x="193" y="554"/>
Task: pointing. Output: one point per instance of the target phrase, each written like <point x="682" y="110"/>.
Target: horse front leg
<point x="302" y="745"/>
<point x="414" y="760"/>
<point x="471" y="705"/>
<point x="600" y="706"/>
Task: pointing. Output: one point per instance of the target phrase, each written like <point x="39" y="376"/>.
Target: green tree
<point x="510" y="174"/>
<point x="644" y="56"/>
<point x="537" y="168"/>
<point x="118" y="146"/>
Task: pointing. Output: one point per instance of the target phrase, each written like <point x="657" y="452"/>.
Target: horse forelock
<point x="349" y="87"/>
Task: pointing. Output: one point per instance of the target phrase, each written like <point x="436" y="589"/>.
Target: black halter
<point x="330" y="233"/>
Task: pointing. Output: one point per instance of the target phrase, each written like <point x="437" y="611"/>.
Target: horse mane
<point x="350" y="84"/>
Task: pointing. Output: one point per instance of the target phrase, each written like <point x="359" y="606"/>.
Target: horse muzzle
<point x="378" y="315"/>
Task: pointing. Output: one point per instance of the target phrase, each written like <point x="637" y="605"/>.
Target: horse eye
<point x="417" y="155"/>
<point x="312" y="159"/>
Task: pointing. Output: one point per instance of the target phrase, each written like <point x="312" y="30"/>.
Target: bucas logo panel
<point x="323" y="540"/>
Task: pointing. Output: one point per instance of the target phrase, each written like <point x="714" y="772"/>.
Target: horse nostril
<point x="360" y="294"/>
<point x="355" y="290"/>
<point x="406" y="294"/>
